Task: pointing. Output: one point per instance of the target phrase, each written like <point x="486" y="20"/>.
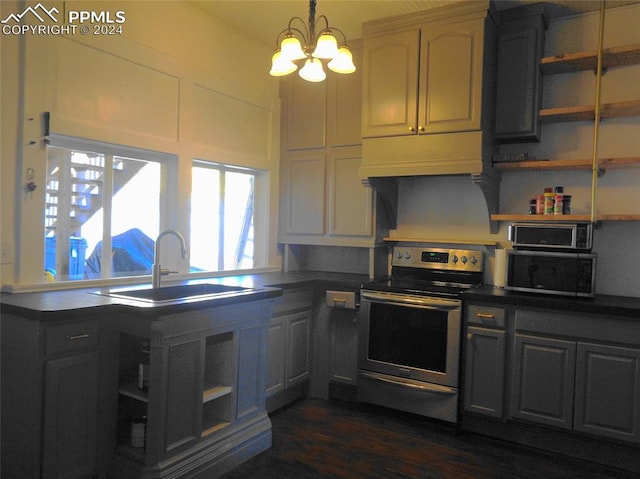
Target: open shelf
<point x="581" y="164"/>
<point x="587" y="113"/>
<point x="129" y="387"/>
<point x="569" y="218"/>
<point x="574" y="62"/>
<point x="214" y="392"/>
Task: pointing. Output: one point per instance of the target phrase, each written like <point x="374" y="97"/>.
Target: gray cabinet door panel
<point x="484" y="371"/>
<point x="70" y="416"/>
<point x="608" y="391"/>
<point x="250" y="378"/>
<point x="543" y="380"/>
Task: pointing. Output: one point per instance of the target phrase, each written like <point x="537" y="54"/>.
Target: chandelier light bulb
<point x="291" y="48"/>
<point x="281" y="66"/>
<point x="326" y="46"/>
<point x="312" y="71"/>
<point x="342" y="62"/>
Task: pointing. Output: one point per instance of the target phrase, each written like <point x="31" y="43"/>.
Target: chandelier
<point x="299" y="42"/>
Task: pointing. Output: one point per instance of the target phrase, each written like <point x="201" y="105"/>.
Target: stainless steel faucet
<point x="157" y="272"/>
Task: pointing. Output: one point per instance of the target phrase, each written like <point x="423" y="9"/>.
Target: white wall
<point x="453" y="208"/>
<point x="176" y="81"/>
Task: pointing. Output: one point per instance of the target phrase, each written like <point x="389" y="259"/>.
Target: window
<point x="102" y="211"/>
<point x="222" y="217"/>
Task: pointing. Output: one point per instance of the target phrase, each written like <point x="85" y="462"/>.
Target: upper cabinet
<point x="322" y="200"/>
<point x="428" y="92"/>
<point x="519" y="84"/>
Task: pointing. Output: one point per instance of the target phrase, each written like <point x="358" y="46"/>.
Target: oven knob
<point x="474" y="260"/>
<point x="399" y="255"/>
<point x="407" y="255"/>
<point x="454" y="259"/>
<point x="464" y="260"/>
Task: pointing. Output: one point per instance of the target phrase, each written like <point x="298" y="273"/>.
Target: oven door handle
<point x="431" y="388"/>
<point x="426" y="302"/>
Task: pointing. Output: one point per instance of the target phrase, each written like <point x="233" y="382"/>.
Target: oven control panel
<point x="438" y="258"/>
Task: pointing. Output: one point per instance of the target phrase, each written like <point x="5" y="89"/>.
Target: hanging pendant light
<point x="312" y="70"/>
<point x="299" y="42"/>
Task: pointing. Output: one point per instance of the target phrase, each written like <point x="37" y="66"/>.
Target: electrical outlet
<point x="6" y="252"/>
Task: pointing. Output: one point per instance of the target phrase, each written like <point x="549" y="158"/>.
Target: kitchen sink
<point x="182" y="292"/>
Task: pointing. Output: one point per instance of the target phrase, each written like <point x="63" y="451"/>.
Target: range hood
<point x="461" y="153"/>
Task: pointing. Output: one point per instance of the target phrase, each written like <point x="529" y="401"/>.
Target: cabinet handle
<point x="75" y="337"/>
<point x="411" y="128"/>
<point x="485" y="315"/>
<point x="421" y="128"/>
<point x="469" y="336"/>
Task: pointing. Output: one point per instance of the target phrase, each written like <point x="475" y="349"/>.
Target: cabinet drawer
<point x="486" y="316"/>
<point x="71" y="337"/>
<point x="293" y="300"/>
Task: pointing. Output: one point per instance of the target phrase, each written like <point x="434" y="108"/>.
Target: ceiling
<point x="264" y="19"/>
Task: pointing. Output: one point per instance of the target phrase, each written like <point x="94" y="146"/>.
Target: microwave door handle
<point x="432" y="388"/>
<point x="427" y="303"/>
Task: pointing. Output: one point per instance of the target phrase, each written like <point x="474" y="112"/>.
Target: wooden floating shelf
<point x="574" y="62"/>
<point x="582" y="164"/>
<point x="587" y="113"/>
<point x="561" y="218"/>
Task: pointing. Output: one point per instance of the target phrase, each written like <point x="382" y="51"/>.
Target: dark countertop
<point x="602" y="304"/>
<point x="65" y="304"/>
<point x="68" y="303"/>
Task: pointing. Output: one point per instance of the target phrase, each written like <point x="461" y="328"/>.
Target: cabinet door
<point x="608" y="391"/>
<point x="390" y="82"/>
<point x="183" y="395"/>
<point x="350" y="202"/>
<point x="543" y="376"/>
<point x="344" y="104"/>
<point x="250" y="390"/>
<point x="451" y="77"/>
<point x="344" y="346"/>
<point x="276" y="357"/>
<point x="484" y="371"/>
<point x="305" y="113"/>
<point x="298" y="347"/>
<point x="304" y="194"/>
<point x="70" y="416"/>
<point x="519" y="91"/>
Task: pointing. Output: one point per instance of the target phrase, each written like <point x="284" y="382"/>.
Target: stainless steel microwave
<point x="552" y="236"/>
<point x="551" y="272"/>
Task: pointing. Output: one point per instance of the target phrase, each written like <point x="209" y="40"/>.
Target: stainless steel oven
<point x="409" y="332"/>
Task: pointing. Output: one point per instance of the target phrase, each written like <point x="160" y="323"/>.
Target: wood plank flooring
<point x="316" y="439"/>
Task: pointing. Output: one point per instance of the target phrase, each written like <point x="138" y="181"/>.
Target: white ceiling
<point x="264" y="19"/>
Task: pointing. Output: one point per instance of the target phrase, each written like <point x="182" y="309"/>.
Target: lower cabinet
<point x="50" y="398"/>
<point x="579" y="373"/>
<point x="543" y="375"/>
<point x="484" y="366"/>
<point x="288" y="348"/>
<point x="192" y="391"/>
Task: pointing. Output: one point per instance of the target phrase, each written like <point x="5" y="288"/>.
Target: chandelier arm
<point x="326" y="22"/>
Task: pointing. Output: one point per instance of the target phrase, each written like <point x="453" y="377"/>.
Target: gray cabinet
<point x="521" y="38"/>
<point x="205" y="401"/>
<point x="484" y="367"/>
<point x="50" y="398"/>
<point x="543" y="375"/>
<point x="577" y="372"/>
<point x="608" y="391"/>
<point x="70" y="416"/>
<point x="288" y="348"/>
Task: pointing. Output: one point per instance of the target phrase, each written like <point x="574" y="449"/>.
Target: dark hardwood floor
<point x="314" y="439"/>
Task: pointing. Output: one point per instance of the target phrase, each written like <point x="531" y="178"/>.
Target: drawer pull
<point x="485" y="315"/>
<point x="75" y="337"/>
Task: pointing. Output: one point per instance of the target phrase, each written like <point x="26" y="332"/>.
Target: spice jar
<point x="566" y="204"/>
<point x="549" y="199"/>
